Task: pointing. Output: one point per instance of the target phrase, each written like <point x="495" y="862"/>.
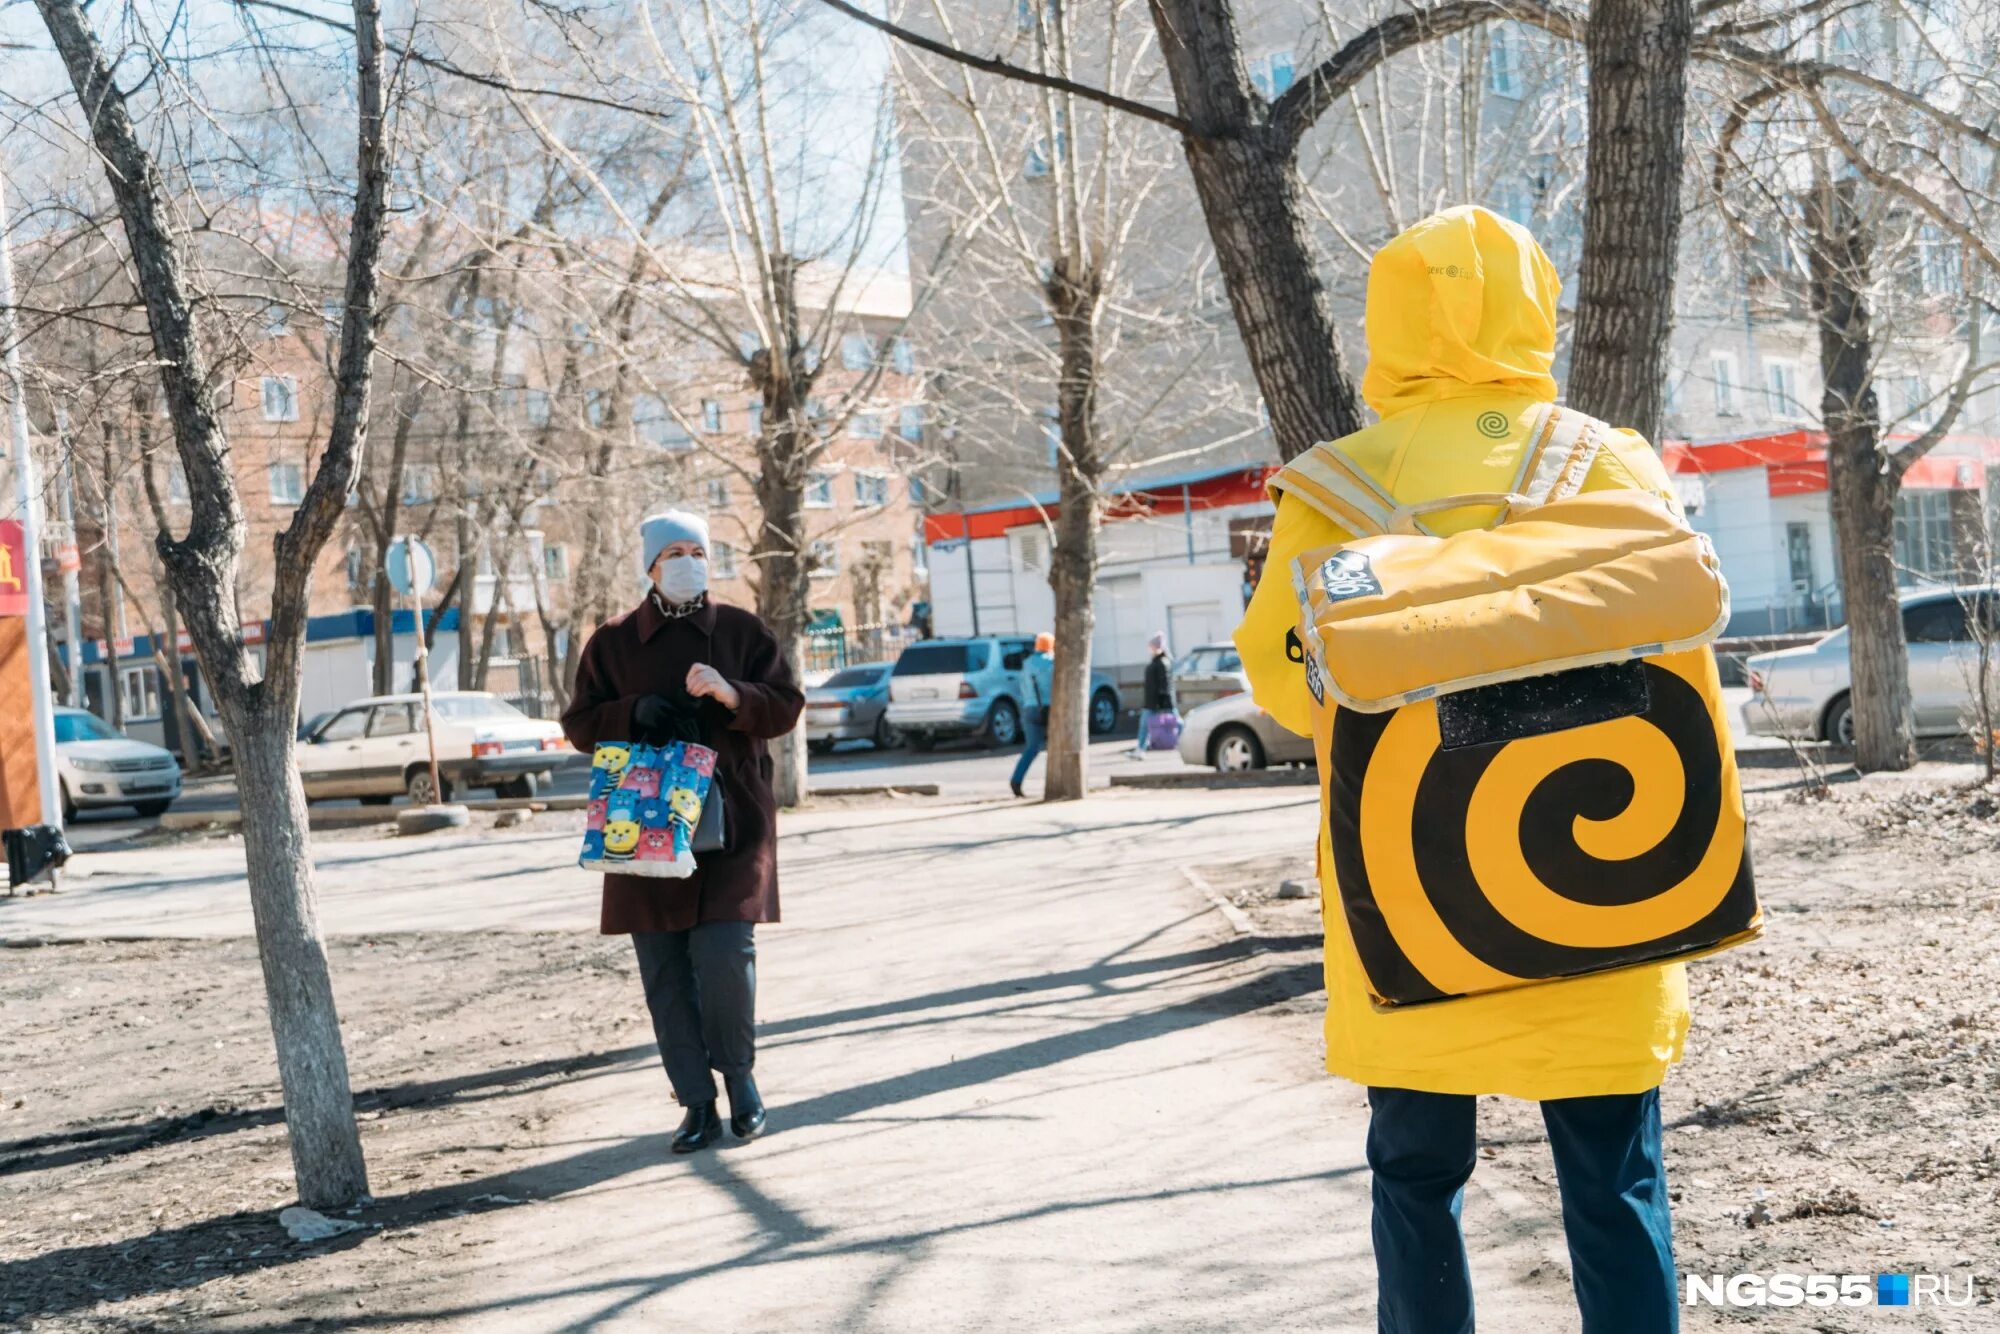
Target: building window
<point x="902" y="356"/>
<point x="555" y="561"/>
<point x="819" y="491"/>
<point x="1939" y="272"/>
<point x="866" y="425"/>
<point x="1272" y="73"/>
<point x="653" y="422"/>
<point x="279" y="396"/>
<point x="1052" y="435"/>
<point x="711" y="416"/>
<point x="1923" y="535"/>
<point x="277" y="321"/>
<point x="141" y="688"/>
<point x="1041" y="161"/>
<point x="754" y="410"/>
<point x="910" y="422"/>
<point x="722" y="560"/>
<point x="332" y="312"/>
<point x="871" y="489"/>
<point x="1781" y="389"/>
<point x="857" y="352"/>
<point x="825" y="558"/>
<point x="1031" y="550"/>
<point x="288" y="483"/>
<point x="1722" y="369"/>
<point x="535" y="402"/>
<point x="717" y="491"/>
<point x="1503" y="60"/>
<point x="419" y="484"/>
<point x="920" y="556"/>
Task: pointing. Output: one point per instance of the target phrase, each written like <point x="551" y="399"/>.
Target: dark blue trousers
<point x="1422" y="1147"/>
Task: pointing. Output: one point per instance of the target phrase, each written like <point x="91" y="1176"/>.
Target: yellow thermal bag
<point x="1531" y="775"/>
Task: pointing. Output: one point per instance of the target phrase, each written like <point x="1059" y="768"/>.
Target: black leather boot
<point x="701" y="1127"/>
<point x="746" y="1108"/>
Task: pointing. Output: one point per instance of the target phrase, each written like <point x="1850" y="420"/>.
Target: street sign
<point x="412" y="568"/>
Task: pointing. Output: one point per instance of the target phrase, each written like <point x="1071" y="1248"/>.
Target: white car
<point x="374" y="749"/>
<point x="1803" y="692"/>
<point x="1232" y="734"/>
<point x="99" y="766"/>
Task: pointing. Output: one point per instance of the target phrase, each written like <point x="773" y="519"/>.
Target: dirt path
<point x="1020" y="1073"/>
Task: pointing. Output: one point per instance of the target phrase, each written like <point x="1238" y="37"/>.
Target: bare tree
<point x="259" y="708"/>
<point x="1060" y="297"/>
<point x="1895" y="158"/>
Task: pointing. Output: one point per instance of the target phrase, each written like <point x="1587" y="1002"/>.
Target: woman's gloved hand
<point x="651" y="717"/>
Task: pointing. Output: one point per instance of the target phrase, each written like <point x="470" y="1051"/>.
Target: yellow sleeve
<point x="1277" y="683"/>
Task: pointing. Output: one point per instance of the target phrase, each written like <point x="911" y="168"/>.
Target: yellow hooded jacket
<point x="1461" y="335"/>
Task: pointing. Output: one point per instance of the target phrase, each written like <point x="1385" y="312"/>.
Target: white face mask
<point x="683" y="578"/>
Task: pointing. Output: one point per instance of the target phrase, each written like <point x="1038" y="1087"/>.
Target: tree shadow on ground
<point x="79" y="1277"/>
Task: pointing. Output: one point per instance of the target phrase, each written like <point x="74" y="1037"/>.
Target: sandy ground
<point x="1020" y="1073"/>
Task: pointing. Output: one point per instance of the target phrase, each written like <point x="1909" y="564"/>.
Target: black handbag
<point x="711" y="831"/>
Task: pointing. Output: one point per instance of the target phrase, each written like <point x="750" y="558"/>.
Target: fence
<point x="524" y="683"/>
<point x="834" y="647"/>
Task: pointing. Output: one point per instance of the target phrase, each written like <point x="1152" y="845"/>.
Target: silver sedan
<point x="1232" y="734"/>
<point x="1803" y="692"/>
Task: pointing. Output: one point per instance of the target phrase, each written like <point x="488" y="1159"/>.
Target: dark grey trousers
<point x="701" y="986"/>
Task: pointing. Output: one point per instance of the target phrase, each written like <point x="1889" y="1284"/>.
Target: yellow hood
<point x="1464" y="302"/>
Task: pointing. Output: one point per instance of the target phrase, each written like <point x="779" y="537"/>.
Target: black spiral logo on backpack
<point x="1554" y="855"/>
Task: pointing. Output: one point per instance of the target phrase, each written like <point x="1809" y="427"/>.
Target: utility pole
<point x="28" y="492"/>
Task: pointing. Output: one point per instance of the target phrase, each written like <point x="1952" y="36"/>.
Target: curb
<point x="876" y="790"/>
<point x="1289" y="776"/>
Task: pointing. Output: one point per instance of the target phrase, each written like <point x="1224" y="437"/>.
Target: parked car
<point x="943" y="688"/>
<point x="97" y="766"/>
<point x="1213" y="671"/>
<point x="1803" y="692"/>
<point x="1232" y="734"/>
<point x="851" y="705"/>
<point x="375" y="748"/>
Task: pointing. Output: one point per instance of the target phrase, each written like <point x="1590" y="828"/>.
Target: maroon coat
<point x="644" y="653"/>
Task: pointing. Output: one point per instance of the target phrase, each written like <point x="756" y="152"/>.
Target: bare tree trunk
<point x="1862" y="484"/>
<point x="114" y="697"/>
<point x="1075" y="288"/>
<point x="260" y="710"/>
<point x="786" y="447"/>
<point x="1638" y="52"/>
<point x="1246" y="176"/>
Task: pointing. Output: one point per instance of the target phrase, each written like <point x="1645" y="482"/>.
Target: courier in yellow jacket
<point x="1461" y="335"/>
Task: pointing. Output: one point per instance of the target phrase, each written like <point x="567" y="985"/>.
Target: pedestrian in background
<point x="681" y="664"/>
<point x="1157" y="699"/>
<point x="1037" y="682"/>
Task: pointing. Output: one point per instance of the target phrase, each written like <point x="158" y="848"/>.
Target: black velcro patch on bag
<point x="1537" y="705"/>
<point x="1347" y="574"/>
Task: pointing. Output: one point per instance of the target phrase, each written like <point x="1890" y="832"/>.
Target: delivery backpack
<point x="1526" y="765"/>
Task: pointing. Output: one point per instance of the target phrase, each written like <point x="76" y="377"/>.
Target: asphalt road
<point x="961" y="768"/>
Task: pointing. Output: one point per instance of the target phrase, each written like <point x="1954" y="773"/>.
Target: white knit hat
<point x="657" y="532"/>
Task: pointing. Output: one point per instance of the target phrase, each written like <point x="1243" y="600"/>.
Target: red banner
<point x="13" y="569"/>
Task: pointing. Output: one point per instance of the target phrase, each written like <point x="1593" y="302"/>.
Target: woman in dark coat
<point x="679" y="665"/>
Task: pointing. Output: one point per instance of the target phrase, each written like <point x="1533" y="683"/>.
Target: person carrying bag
<point x="683" y="669"/>
<point x="1492" y="618"/>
